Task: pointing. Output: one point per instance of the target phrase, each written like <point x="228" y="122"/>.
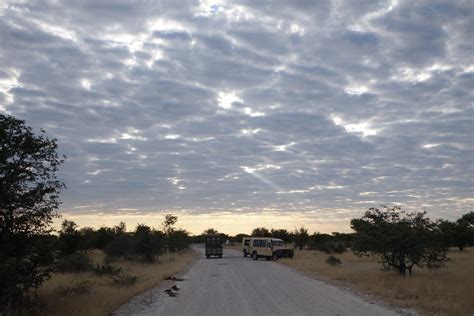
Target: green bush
<point x="76" y="262"/>
<point x="334" y="261"/>
<point x="79" y="287"/>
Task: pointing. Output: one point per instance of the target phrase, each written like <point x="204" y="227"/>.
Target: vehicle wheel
<point x="274" y="256"/>
<point x="245" y="253"/>
<point x="220" y="256"/>
<point x="254" y="256"/>
<point x="268" y="258"/>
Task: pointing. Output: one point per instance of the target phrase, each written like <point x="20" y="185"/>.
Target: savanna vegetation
<point x="403" y="257"/>
<point x="31" y="252"/>
<point x="387" y="245"/>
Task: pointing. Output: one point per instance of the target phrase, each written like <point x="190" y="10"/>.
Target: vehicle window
<point x="256" y="243"/>
<point x="246" y="242"/>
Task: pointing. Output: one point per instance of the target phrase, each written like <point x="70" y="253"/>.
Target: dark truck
<point x="214" y="246"/>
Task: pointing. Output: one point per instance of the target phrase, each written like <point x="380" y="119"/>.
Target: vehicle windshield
<point x="277" y="243"/>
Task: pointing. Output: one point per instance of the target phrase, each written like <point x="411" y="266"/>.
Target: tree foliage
<point x="401" y="240"/>
<point x="300" y="237"/>
<point x="282" y="234"/>
<point x="29" y="191"/>
<point x="168" y="223"/>
<point x="460" y="233"/>
<point x="261" y="232"/>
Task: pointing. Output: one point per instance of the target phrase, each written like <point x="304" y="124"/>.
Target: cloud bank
<point x="323" y="108"/>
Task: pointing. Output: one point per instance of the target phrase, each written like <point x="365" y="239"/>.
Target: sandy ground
<point x="235" y="285"/>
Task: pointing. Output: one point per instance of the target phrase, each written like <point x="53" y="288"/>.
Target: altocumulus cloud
<point x="316" y="107"/>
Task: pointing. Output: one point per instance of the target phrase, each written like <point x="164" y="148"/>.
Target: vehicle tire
<point x="245" y="253"/>
<point x="268" y="258"/>
<point x="274" y="256"/>
<point x="254" y="256"/>
<point x="220" y="256"/>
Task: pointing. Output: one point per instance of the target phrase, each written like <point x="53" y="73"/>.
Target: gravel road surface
<point x="235" y="285"/>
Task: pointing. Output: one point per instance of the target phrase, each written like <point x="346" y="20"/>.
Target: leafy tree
<point x="239" y="237"/>
<point x="261" y="232"/>
<point x="178" y="240"/>
<point x="103" y="237"/>
<point x="459" y="234"/>
<point x="210" y="231"/>
<point x="147" y="242"/>
<point x="401" y="240"/>
<point x="69" y="237"/>
<point x="301" y="237"/>
<point x="120" y="229"/>
<point x="88" y="238"/>
<point x="468" y="218"/>
<point x="29" y="192"/>
<point x="168" y="223"/>
<point x="282" y="234"/>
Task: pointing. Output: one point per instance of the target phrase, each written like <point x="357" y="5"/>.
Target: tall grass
<point x="446" y="291"/>
<point x="104" y="296"/>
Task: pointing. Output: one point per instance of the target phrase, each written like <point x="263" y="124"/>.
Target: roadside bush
<point x="76" y="262"/>
<point x="124" y="280"/>
<point x="178" y="240"/>
<point x="79" y="287"/>
<point x="106" y="268"/>
<point x="333" y="261"/>
<point x="332" y="247"/>
<point x="120" y="246"/>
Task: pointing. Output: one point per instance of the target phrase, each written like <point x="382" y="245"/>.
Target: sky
<point x="237" y="114"/>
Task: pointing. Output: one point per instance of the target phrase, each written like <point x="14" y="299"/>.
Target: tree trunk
<point x="402" y="268"/>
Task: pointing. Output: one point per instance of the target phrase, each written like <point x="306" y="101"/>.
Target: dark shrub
<point x="120" y="246"/>
<point x="78" y="288"/>
<point x="334" y="261"/>
<point x="76" y="262"/>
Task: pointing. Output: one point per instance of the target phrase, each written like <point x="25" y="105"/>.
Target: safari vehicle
<point x="214" y="246"/>
<point x="265" y="247"/>
<point x="246" y="246"/>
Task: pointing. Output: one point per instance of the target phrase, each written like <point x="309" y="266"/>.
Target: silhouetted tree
<point x="261" y="232"/>
<point x="210" y="231"/>
<point x="29" y="192"/>
<point x="460" y="233"/>
<point x="401" y="240"/>
<point x="300" y="237"/>
<point x="69" y="237"/>
<point x="147" y="242"/>
<point x="176" y="239"/>
<point x="282" y="234"/>
<point x="168" y="223"/>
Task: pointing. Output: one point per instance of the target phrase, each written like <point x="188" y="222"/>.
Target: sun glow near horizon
<point x="224" y="222"/>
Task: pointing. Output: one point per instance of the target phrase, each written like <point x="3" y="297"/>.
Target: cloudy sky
<point x="234" y="114"/>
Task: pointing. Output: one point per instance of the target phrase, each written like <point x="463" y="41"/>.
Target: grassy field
<point x="446" y="291"/>
<point x="104" y="297"/>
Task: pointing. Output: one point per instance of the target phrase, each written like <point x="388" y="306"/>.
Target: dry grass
<point x="105" y="298"/>
<point x="446" y="291"/>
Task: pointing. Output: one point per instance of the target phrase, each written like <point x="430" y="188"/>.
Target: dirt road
<point x="235" y="285"/>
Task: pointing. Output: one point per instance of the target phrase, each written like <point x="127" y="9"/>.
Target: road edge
<point x="144" y="299"/>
